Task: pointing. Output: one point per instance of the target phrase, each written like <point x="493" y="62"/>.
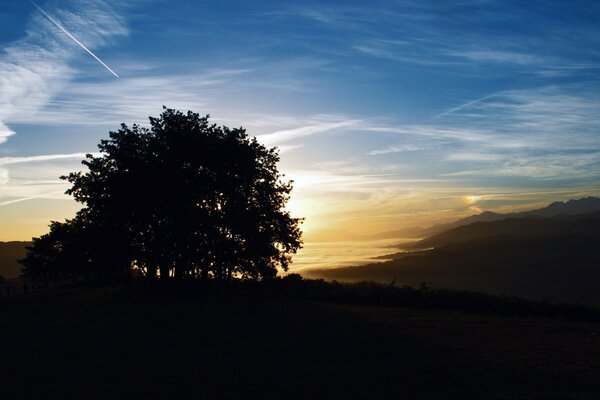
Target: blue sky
<point x="388" y="113"/>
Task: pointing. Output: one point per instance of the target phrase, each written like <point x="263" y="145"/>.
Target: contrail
<point x="464" y="105"/>
<point x="73" y="37"/>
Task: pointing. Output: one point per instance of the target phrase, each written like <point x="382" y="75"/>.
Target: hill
<point x="515" y="228"/>
<point x="10" y="252"/>
<point x="586" y="205"/>
<point x="535" y="258"/>
<point x="109" y="342"/>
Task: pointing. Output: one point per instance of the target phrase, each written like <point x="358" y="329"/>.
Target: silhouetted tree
<point x="181" y="199"/>
<point x="50" y="256"/>
<point x="76" y="248"/>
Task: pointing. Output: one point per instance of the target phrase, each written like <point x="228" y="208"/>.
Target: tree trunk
<point x="164" y="272"/>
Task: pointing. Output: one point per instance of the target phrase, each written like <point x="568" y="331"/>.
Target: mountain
<point x="514" y="228"/>
<point x="584" y="205"/>
<point x="571" y="207"/>
<point x="10" y="252"/>
<point x="562" y="268"/>
<point x="486" y="216"/>
<point x="530" y="257"/>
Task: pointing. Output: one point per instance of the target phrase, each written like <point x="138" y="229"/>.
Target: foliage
<point x="75" y="248"/>
<point x="181" y="199"/>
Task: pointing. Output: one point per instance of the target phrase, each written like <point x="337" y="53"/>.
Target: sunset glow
<point x="470" y="200"/>
<point x="387" y="117"/>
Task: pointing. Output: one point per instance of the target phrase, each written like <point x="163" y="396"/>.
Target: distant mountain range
<point x="522" y="227"/>
<point x="584" y="205"/>
<point x="572" y="207"/>
<point x="552" y="252"/>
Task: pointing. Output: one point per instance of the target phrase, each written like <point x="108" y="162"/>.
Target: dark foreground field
<point x="113" y="343"/>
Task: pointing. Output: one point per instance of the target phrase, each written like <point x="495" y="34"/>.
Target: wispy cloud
<point x="4" y="178"/>
<point x="473" y="156"/>
<point x="325" y="125"/>
<point x="560" y="116"/>
<point x="498" y="56"/>
<point x="463" y="36"/>
<point x="47" y="157"/>
<point x="434" y="132"/>
<point x="395" y="149"/>
<point x="5" y="133"/>
<point x="202" y="88"/>
<point x="59" y="26"/>
<point x="34" y="69"/>
<point x="548" y="133"/>
<point x="289" y="147"/>
<point x="459" y="57"/>
<point x="36" y="177"/>
<point x="463" y="106"/>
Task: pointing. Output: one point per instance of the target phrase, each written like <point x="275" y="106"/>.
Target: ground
<point x="114" y="343"/>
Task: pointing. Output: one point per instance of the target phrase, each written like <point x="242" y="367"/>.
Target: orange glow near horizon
<point x="470" y="200"/>
<point x="330" y="214"/>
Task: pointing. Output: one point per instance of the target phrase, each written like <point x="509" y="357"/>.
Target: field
<point x="116" y="343"/>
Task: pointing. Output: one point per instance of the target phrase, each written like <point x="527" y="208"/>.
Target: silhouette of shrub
<point x="182" y="199"/>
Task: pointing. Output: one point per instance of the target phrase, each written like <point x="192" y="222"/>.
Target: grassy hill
<point x="115" y="343"/>
<point x="10" y="252"/>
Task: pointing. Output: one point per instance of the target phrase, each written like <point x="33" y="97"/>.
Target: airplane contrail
<point x="464" y="105"/>
<point x="73" y="37"/>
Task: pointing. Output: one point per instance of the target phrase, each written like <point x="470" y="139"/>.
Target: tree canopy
<point x="183" y="198"/>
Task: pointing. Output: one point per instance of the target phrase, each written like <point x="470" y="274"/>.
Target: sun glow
<point x="300" y="209"/>
<point x="470" y="200"/>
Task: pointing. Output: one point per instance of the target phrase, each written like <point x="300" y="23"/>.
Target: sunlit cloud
<point x="4" y="178"/>
<point x="5" y="132"/>
<point x="464" y="156"/>
<point x="47" y="157"/>
<point x="287" y="148"/>
<point x="396" y="149"/>
<point x="36" y="177"/>
<point x="323" y="126"/>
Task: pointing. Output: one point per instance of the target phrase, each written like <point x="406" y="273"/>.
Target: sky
<point x="388" y="114"/>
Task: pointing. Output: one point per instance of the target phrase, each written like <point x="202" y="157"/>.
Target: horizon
<point x="387" y="116"/>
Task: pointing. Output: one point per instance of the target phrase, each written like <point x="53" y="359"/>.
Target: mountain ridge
<point x="515" y="227"/>
<point x="584" y="205"/>
<point x="550" y="252"/>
